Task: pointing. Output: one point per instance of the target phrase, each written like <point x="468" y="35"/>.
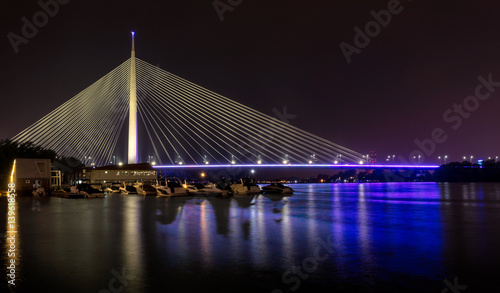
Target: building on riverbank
<point x="119" y="173"/>
<point x="31" y="174"/>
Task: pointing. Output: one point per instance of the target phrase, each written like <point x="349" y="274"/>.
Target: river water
<point x="377" y="237"/>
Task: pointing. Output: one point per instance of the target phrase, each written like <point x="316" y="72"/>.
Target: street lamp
<point x="439" y="160"/>
<point x="471" y="158"/>
<point x="445" y="157"/>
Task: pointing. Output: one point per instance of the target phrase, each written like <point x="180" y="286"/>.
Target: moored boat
<point x="209" y="189"/>
<point x="145" y="189"/>
<point x="113" y="187"/>
<point x="244" y="186"/>
<point x="170" y="187"/>
<point x="277" y="188"/>
<point x="128" y="189"/>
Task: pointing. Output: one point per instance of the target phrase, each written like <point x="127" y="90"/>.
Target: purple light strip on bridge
<point x="302" y="166"/>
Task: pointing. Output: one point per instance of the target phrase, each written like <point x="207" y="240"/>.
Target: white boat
<point x="145" y="189"/>
<point x="113" y="188"/>
<point x="171" y="187"/>
<point x="128" y="189"/>
<point x="244" y="186"/>
<point x="191" y="188"/>
<point x="238" y="188"/>
<point x="209" y="189"/>
<point x="202" y="188"/>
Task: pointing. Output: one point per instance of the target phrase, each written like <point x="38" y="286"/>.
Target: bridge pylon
<point x="132" y="124"/>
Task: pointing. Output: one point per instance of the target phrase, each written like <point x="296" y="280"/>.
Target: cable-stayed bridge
<point x="182" y="123"/>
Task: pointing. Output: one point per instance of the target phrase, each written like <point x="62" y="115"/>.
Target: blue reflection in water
<point x="394" y="237"/>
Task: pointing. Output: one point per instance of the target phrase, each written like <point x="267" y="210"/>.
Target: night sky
<point x="272" y="54"/>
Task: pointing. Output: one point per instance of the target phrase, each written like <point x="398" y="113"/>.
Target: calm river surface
<point x="378" y="237"/>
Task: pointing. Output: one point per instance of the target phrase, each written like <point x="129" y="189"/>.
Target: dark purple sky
<point x="271" y="54"/>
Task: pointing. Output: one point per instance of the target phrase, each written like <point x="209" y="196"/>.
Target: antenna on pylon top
<point x="133" y="43"/>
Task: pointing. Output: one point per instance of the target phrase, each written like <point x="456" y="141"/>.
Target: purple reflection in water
<point x="394" y="237"/>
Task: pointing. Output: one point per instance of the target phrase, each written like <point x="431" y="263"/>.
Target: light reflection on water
<point x="391" y="237"/>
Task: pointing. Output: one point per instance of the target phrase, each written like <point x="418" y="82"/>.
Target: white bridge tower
<point x="132" y="124"/>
